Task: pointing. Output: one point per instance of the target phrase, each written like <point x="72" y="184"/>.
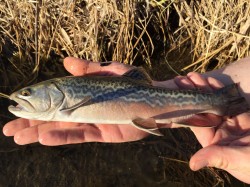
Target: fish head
<point x="38" y="101"/>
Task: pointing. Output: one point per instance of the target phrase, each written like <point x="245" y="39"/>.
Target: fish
<point x="128" y="99"/>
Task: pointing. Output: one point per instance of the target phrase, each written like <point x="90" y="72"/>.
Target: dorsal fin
<point x="138" y="73"/>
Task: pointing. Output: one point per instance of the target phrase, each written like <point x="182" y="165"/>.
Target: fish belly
<point x="123" y="113"/>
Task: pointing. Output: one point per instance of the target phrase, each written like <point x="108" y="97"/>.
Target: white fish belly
<point x="107" y="113"/>
<point x="114" y="112"/>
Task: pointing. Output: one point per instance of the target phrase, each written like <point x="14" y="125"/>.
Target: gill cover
<point x="38" y="101"/>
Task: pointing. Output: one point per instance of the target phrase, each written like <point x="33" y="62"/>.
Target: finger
<point x="19" y="124"/>
<point x="170" y="84"/>
<point x="92" y="133"/>
<point x="86" y="133"/>
<point x="236" y="125"/>
<point x="26" y="136"/>
<point x="224" y="157"/>
<point x="223" y="136"/>
<point x="214" y="83"/>
<point x="31" y="134"/>
<point x="244" y="141"/>
<point x="199" y="81"/>
<point x="183" y="82"/>
<point x="206" y="135"/>
<point x="80" y="67"/>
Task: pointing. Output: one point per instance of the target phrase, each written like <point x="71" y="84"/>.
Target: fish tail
<point x="235" y="103"/>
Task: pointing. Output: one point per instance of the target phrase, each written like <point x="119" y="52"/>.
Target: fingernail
<point x="5" y="132"/>
<point x="190" y="74"/>
<point x="17" y="139"/>
<point x="198" y="164"/>
<point x="41" y="140"/>
<point x="45" y="138"/>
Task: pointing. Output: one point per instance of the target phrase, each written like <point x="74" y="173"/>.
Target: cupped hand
<point x="228" y="146"/>
<point x="59" y="133"/>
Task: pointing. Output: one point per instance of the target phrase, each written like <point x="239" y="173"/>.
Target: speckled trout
<point x="127" y="99"/>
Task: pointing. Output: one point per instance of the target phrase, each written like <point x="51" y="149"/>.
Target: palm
<point x="232" y="131"/>
<point x="58" y="133"/>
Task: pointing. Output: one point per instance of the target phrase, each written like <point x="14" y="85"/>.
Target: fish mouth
<point x="22" y="105"/>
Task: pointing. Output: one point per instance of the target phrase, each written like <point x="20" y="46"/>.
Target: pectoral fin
<point x="147" y="125"/>
<point x="77" y="105"/>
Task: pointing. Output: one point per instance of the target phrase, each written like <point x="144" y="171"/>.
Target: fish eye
<point x="25" y="92"/>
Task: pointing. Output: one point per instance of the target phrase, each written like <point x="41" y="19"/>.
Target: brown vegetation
<point x="211" y="33"/>
<point x="182" y="35"/>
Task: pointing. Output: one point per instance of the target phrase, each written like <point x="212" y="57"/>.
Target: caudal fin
<point x="236" y="104"/>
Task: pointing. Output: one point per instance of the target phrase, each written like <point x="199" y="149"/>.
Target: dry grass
<point x="217" y="29"/>
<point x="123" y="30"/>
<point x="35" y="35"/>
<point x="96" y="30"/>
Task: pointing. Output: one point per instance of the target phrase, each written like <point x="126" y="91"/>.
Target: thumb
<point x="223" y="157"/>
<point x="79" y="67"/>
<point x="233" y="159"/>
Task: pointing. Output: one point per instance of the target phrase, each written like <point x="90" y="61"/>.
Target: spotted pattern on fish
<point x="131" y="91"/>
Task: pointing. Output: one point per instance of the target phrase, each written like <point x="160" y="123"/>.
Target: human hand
<point x="58" y="133"/>
<point x="228" y="146"/>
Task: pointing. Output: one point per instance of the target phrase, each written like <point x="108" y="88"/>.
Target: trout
<point x="126" y="99"/>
